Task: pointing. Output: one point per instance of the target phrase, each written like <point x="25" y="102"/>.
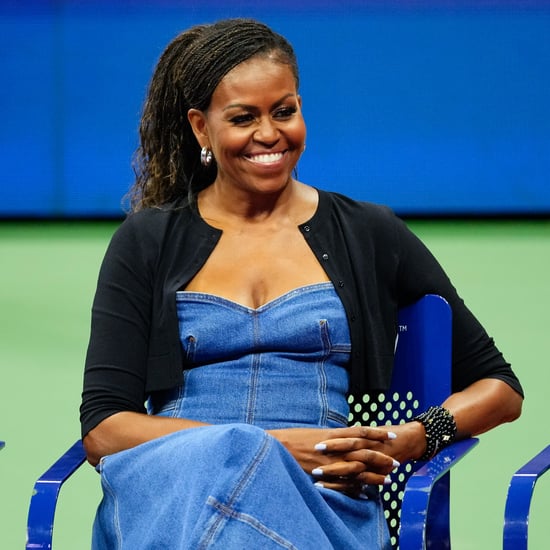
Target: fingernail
<point x="387" y="480"/>
<point x="317" y="472"/>
<point x="396" y="464"/>
<point x="392" y="435"/>
<point x="321" y="447"/>
<point x="363" y="495"/>
<point x="319" y="485"/>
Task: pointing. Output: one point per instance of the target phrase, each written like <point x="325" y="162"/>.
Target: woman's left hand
<point x="343" y="459"/>
<point x="359" y="461"/>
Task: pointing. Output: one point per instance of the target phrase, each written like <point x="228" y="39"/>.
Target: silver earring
<point x="206" y="156"/>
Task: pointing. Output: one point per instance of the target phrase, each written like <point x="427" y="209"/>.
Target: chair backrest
<point x="421" y="378"/>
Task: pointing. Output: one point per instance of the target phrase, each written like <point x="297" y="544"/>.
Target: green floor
<point x="47" y="279"/>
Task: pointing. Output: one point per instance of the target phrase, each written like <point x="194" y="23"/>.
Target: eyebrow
<point x="253" y="107"/>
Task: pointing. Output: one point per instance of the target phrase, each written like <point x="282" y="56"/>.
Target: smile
<point x="265" y="158"/>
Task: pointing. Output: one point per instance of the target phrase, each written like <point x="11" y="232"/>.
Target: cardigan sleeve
<point x="115" y="370"/>
<point x="475" y="355"/>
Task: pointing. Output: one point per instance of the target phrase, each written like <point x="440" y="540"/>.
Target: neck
<point x="219" y="205"/>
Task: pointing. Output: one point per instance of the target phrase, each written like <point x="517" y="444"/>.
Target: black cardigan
<point x="375" y="263"/>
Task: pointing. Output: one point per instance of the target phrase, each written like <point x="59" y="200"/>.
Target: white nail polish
<point x="363" y="495"/>
<point x="321" y="447"/>
<point x="392" y="435"/>
<point x="317" y="472"/>
<point x="387" y="480"/>
<point x="319" y="485"/>
<point x="396" y="464"/>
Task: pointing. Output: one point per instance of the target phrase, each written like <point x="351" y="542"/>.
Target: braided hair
<point x="167" y="161"/>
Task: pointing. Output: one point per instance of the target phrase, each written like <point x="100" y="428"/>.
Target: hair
<point x="167" y="162"/>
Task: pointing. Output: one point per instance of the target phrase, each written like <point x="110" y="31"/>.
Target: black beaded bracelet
<point x="440" y="428"/>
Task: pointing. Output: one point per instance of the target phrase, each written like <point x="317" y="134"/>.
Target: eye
<point x="285" y="112"/>
<point x="242" y="120"/>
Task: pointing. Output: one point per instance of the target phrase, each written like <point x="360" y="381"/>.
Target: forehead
<point x="254" y="78"/>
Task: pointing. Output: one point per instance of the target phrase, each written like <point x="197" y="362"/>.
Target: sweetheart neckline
<point x="182" y="295"/>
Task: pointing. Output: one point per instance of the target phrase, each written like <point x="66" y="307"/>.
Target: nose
<point x="266" y="132"/>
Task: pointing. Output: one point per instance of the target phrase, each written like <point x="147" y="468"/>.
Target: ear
<point x="197" y="120"/>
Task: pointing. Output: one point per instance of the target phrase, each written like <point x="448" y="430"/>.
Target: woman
<point x="243" y="306"/>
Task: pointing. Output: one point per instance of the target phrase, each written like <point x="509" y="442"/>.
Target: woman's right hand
<point x="343" y="459"/>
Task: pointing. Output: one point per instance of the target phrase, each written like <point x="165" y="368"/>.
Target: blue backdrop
<point x="430" y="107"/>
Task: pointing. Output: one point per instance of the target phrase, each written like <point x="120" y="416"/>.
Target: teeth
<point x="267" y="157"/>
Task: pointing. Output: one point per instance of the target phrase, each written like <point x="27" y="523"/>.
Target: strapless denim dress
<point x="231" y="485"/>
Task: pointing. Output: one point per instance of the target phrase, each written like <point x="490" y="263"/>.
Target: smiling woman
<point x="242" y="306"/>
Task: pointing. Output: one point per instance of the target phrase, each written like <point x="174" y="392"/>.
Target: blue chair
<point x="518" y="500"/>
<point x="417" y="501"/>
<point x="2" y="444"/>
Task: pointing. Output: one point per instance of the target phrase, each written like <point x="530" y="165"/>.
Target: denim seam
<point x="251" y="521"/>
<point x="254" y="375"/>
<point x="325" y="339"/>
<point x="241" y="485"/>
<point x="116" y="516"/>
<point x="337" y="417"/>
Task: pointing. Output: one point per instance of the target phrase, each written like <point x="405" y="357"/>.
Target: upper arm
<point x="116" y="361"/>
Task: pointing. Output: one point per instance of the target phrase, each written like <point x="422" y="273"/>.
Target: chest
<point x="255" y="267"/>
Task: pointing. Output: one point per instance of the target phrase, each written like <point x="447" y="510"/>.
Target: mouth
<point x="266" y="158"/>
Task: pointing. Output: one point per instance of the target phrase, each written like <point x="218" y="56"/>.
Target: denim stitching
<point x="241" y="485"/>
<point x="325" y="339"/>
<point x="251" y="521"/>
<point x="116" y="516"/>
<point x="337" y="417"/>
<point x="254" y="374"/>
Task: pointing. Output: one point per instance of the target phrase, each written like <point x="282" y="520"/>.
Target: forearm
<point x="125" y="430"/>
<point x="482" y="406"/>
<point x="477" y="409"/>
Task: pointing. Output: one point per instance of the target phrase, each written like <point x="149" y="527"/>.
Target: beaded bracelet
<point x="440" y="428"/>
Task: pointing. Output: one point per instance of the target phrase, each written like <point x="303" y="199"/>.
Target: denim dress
<point x="231" y="485"/>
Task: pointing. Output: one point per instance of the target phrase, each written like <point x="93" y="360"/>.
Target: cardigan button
<point x="341" y="284"/>
<point x="306" y="228"/>
<point x="325" y="256"/>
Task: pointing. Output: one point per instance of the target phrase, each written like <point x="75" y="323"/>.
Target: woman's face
<point x="254" y="126"/>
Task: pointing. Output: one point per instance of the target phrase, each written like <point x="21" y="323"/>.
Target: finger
<point x="368" y="432"/>
<point x="373" y="460"/>
<point x="356" y="462"/>
<point x="338" y="470"/>
<point x="348" y="488"/>
<point x="356" y="488"/>
<point x="356" y="437"/>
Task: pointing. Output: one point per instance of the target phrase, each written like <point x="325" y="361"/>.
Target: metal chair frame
<point x="518" y="500"/>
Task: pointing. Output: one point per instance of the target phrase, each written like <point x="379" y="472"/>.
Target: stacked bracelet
<point x="440" y="428"/>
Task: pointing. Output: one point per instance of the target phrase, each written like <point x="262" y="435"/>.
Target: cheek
<point x="232" y="142"/>
<point x="299" y="131"/>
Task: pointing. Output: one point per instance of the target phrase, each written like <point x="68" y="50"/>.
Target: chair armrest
<point x="425" y="510"/>
<point x="518" y="500"/>
<point x="44" y="497"/>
